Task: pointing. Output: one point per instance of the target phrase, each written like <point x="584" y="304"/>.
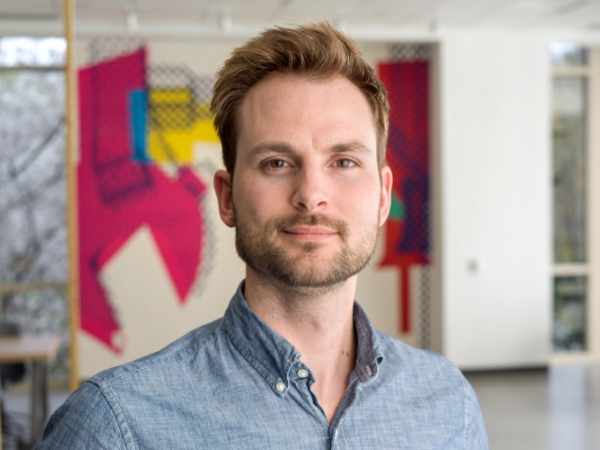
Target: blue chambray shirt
<point x="237" y="384"/>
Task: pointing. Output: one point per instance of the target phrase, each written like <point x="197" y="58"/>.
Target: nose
<point x="310" y="191"/>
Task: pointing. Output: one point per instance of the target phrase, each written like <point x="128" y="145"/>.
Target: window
<point x="33" y="232"/>
<point x="575" y="104"/>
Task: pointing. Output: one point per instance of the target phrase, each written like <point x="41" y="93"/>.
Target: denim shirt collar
<point x="368" y="353"/>
<point x="274" y="357"/>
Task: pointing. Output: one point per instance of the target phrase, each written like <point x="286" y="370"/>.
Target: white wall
<point x="496" y="194"/>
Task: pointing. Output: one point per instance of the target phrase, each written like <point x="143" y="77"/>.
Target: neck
<point x="318" y="322"/>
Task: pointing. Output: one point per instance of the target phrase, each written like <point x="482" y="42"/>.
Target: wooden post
<point x="71" y="173"/>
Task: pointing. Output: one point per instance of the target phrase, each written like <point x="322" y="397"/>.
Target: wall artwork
<point x="407" y="229"/>
<point x="135" y="170"/>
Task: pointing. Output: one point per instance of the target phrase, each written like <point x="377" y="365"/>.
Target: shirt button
<point x="302" y="373"/>
<point x="280" y="386"/>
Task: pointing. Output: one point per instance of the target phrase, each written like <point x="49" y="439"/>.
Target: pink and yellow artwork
<point x="127" y="130"/>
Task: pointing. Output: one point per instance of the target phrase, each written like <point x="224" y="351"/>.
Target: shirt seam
<point x="467" y="416"/>
<point x="119" y="417"/>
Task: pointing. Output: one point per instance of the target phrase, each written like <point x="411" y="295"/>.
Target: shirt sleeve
<point x="84" y="422"/>
<point x="475" y="433"/>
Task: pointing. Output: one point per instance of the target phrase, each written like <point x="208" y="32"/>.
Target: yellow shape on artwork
<point x="176" y="121"/>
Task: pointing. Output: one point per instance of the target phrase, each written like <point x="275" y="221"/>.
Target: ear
<point x="385" y="203"/>
<point x="222" y="183"/>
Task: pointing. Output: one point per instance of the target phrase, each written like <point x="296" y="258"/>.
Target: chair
<point x="10" y="373"/>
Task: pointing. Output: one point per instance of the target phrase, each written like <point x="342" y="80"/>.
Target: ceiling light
<point x="131" y="21"/>
<point x="225" y="22"/>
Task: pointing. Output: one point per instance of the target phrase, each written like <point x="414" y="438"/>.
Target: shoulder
<point x="179" y="352"/>
<point x="424" y="377"/>
<point x="99" y="414"/>
<point x="85" y="421"/>
<point x="414" y="362"/>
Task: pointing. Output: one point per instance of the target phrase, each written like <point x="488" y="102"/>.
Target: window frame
<point x="590" y="268"/>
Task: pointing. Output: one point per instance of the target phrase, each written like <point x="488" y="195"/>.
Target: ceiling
<point x="237" y="16"/>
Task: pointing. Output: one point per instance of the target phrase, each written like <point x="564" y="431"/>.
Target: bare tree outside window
<point x="571" y="202"/>
<point x="33" y="234"/>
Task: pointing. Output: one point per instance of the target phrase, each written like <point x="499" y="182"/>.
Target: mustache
<point x="341" y="226"/>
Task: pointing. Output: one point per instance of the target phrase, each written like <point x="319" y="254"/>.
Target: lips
<point x="309" y="230"/>
<point x="312" y="227"/>
<point x="310" y="233"/>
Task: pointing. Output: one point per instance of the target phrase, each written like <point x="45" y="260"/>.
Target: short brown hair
<point x="314" y="51"/>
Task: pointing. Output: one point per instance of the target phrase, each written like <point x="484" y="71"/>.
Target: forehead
<point x="285" y="107"/>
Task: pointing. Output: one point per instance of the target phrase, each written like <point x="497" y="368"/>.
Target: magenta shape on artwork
<point x="118" y="195"/>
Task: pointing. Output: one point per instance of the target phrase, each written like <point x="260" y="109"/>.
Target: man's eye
<point x="276" y="163"/>
<point x="344" y="163"/>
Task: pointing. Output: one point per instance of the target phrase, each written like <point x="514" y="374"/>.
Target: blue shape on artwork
<point x="138" y="117"/>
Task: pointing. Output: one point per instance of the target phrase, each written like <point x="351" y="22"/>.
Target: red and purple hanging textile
<point x="407" y="229"/>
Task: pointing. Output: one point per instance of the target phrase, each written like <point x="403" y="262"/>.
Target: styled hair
<point x="313" y="51"/>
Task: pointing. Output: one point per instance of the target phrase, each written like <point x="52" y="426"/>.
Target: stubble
<point x="264" y="250"/>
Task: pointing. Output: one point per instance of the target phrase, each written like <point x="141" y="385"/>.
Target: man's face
<point x="308" y="196"/>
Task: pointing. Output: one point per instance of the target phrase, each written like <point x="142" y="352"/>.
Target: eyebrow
<point x="271" y="148"/>
<point x="351" y="147"/>
<point x="346" y="147"/>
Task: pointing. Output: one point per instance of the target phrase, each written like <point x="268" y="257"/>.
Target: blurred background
<point x="491" y="255"/>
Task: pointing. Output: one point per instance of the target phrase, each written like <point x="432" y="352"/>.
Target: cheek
<point x="255" y="199"/>
<point x="361" y="210"/>
<point x="360" y="198"/>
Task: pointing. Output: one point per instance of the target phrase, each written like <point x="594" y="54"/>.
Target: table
<point x="38" y="349"/>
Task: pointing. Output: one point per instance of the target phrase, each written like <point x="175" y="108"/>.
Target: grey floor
<point x="557" y="409"/>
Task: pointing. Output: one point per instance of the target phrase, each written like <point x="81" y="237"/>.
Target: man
<point x="295" y="362"/>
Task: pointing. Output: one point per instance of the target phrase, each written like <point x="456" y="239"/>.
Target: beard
<point x="258" y="247"/>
